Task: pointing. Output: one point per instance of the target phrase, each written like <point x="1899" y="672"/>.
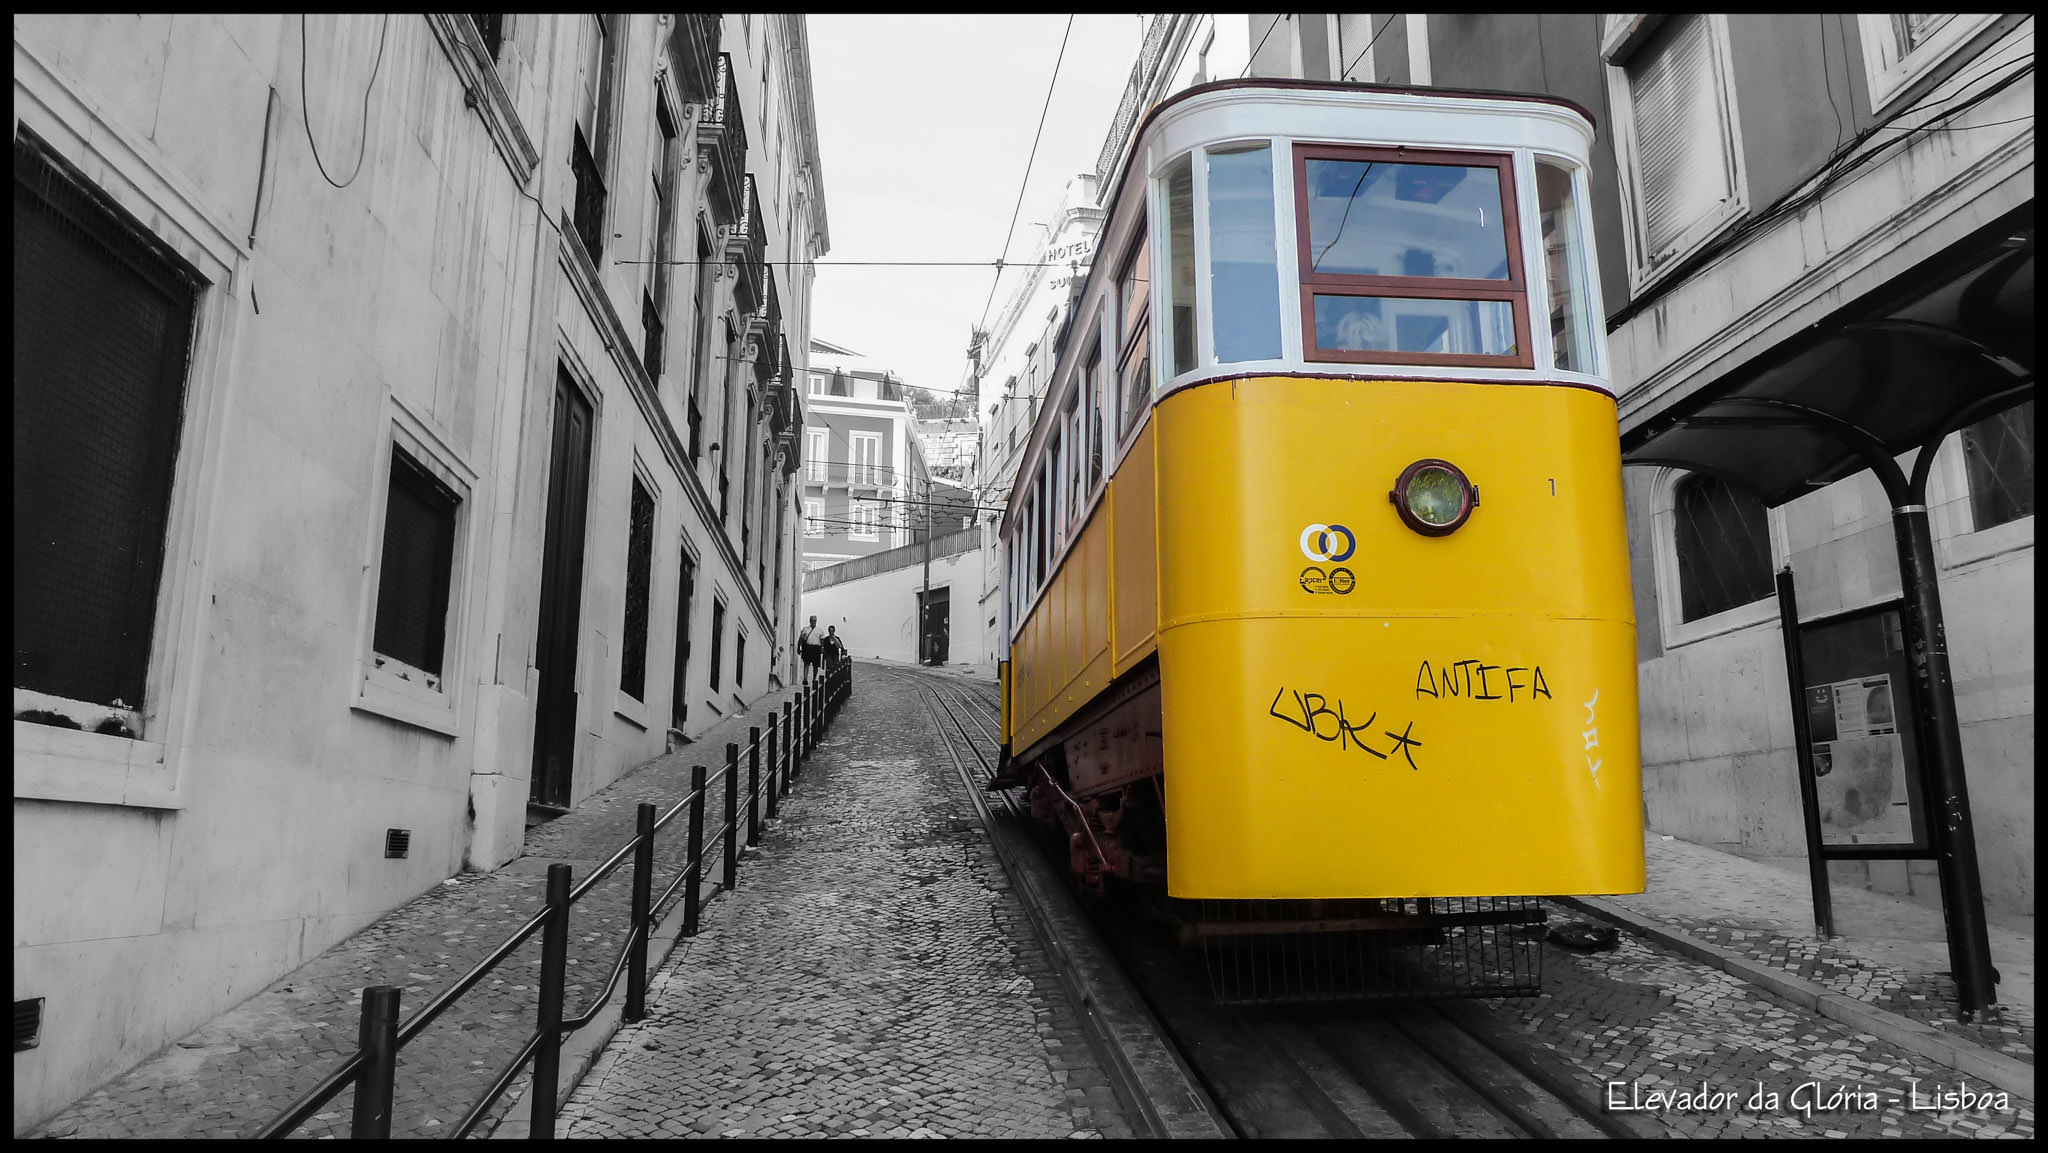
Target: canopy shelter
<point x="1947" y="344"/>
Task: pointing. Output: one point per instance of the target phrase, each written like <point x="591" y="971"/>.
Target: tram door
<point x="561" y="597"/>
<point x="936" y="610"/>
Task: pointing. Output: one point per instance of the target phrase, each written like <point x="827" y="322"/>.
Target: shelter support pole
<point x="1802" y="746"/>
<point x="1962" y="890"/>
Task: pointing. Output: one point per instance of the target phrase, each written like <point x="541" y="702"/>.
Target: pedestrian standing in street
<point x="835" y="649"/>
<point x="808" y="647"/>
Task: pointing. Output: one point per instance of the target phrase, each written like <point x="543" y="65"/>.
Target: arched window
<point x="1723" y="541"/>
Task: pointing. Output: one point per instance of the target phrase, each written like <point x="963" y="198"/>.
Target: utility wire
<point x="1025" y="183"/>
<point x="1368" y="47"/>
<point x="305" y="117"/>
<point x="1262" y="43"/>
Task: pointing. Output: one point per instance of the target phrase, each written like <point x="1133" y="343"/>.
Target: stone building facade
<point x="405" y="450"/>
<point x="864" y="475"/>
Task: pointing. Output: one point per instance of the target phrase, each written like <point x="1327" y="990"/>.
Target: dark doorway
<point x="679" y="692"/>
<point x="561" y="597"/>
<point x="936" y="609"/>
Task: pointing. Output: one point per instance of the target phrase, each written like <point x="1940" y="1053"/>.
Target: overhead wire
<point x="1262" y="43"/>
<point x="1026" y="182"/>
<point x="305" y="117"/>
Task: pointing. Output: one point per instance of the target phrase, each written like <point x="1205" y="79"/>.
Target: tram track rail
<point x="1374" y="1069"/>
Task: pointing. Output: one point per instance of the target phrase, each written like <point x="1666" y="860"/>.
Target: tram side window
<point x="1410" y="257"/>
<point x="1244" y="276"/>
<point x="1179" y="298"/>
<point x="1564" y="259"/>
<point x="1076" y="495"/>
<point x="1723" y="544"/>
<point x="1134" y="359"/>
<point x="1097" y="412"/>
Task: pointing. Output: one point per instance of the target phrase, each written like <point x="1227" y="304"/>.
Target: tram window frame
<point x="1514" y="290"/>
<point x="1133" y="334"/>
<point x="1098" y="413"/>
<point x="1076" y="447"/>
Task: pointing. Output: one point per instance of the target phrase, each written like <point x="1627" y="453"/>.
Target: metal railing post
<point x="693" y="869"/>
<point x="732" y="817"/>
<point x="788" y="743"/>
<point x="377" y="1036"/>
<point x="643" y="896"/>
<point x="554" y="967"/>
<point x="754" y="784"/>
<point x="774" y="786"/>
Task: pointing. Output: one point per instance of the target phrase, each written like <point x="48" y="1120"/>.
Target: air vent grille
<point x="28" y="1023"/>
<point x="397" y="842"/>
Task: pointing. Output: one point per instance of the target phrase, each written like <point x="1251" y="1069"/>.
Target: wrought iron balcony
<point x="693" y="55"/>
<point x="722" y="139"/>
<point x="748" y="248"/>
<point x="782" y="392"/>
<point x="765" y="328"/>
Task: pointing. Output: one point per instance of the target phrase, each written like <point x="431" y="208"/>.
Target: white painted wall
<point x="878" y="615"/>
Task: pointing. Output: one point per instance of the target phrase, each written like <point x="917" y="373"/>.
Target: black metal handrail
<point x="790" y="739"/>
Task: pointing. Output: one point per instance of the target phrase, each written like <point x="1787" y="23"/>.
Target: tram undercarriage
<point x="1100" y="792"/>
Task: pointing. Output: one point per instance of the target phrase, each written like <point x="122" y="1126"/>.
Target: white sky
<point x="925" y="123"/>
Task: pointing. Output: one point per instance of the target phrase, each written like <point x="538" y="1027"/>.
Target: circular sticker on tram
<point x="1327" y="543"/>
<point x="1313" y="580"/>
<point x="1341" y="581"/>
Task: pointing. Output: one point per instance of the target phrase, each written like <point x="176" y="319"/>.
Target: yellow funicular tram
<point x="1318" y="603"/>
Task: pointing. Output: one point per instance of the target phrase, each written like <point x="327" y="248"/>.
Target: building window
<point x="1134" y="310"/>
<point x="1723" y="543"/>
<point x="861" y="514"/>
<point x="639" y="575"/>
<point x="650" y="324"/>
<point x="1900" y="48"/>
<point x="816" y="455"/>
<point x="739" y="658"/>
<point x="1410" y="257"/>
<point x="717" y="639"/>
<point x="814" y="518"/>
<point x="417" y="567"/>
<point x="1676" y="129"/>
<point x="591" y="145"/>
<point x="1998" y="457"/>
<point x="866" y="452"/>
<point x="660" y="232"/>
<point x="679" y="689"/>
<point x="103" y="322"/>
<point x="492" y="29"/>
<point x="700" y="340"/>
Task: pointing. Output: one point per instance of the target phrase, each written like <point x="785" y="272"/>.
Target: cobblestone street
<point x="873" y="975"/>
<point x="1653" y="1020"/>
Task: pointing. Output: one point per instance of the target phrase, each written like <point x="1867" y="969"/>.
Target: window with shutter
<point x="1723" y="545"/>
<point x="639" y="575"/>
<point x="1677" y="132"/>
<point x="417" y="565"/>
<point x="1998" y="456"/>
<point x="103" y="321"/>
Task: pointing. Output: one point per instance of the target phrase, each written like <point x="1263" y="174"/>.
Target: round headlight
<point x="1433" y="497"/>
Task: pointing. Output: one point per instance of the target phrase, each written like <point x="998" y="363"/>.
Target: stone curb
<point x="2007" y="1073"/>
<point x="1173" y="1105"/>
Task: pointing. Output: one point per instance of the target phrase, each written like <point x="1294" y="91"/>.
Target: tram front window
<point x="1396" y="324"/>
<point x="1564" y="259"/>
<point x="1379" y="218"/>
<point x="1243" y="265"/>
